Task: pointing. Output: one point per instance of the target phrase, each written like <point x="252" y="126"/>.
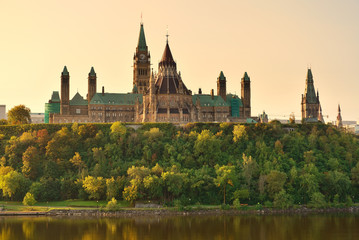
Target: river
<point x="279" y="227"/>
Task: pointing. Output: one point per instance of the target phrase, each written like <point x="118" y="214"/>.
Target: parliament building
<point x="155" y="97"/>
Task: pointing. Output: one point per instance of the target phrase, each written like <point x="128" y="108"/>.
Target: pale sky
<point x="274" y="41"/>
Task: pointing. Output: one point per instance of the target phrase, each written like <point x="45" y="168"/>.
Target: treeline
<point x="272" y="164"/>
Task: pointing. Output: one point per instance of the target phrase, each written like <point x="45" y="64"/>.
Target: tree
<point x="118" y="130"/>
<point x="275" y="180"/>
<point x="130" y="193"/>
<point x="29" y="200"/>
<point x="282" y="200"/>
<point x="3" y="122"/>
<point x="95" y="187"/>
<point x="31" y="163"/>
<point x="77" y="162"/>
<point x="239" y="132"/>
<point x="19" y="115"/>
<point x="250" y="168"/>
<point x="12" y="183"/>
<point x="225" y="176"/>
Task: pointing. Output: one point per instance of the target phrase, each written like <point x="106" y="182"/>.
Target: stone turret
<point x="246" y="95"/>
<point x="221" y="86"/>
<point x="65" y="92"/>
<point x="339" y="122"/>
<point x="92" y="84"/>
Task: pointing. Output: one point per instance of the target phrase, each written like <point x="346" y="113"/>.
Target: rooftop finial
<point x="141" y="19"/>
<point x="167" y="35"/>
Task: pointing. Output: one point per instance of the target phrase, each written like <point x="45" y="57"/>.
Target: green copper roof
<point x="221" y="76"/>
<point x="142" y="40"/>
<point x="250" y="120"/>
<point x="309" y="75"/>
<point x="92" y="72"/>
<point x="229" y="98"/>
<point x="55" y="97"/>
<point x="78" y="100"/>
<point x="207" y="101"/>
<point x="65" y="72"/>
<point x="309" y="89"/>
<point x="116" y="98"/>
<point x="246" y="77"/>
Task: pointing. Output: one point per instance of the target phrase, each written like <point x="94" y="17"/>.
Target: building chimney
<point x="212" y="93"/>
<point x="103" y="91"/>
<point x="199" y="91"/>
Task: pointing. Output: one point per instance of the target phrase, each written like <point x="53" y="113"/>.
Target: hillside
<point x="271" y="164"/>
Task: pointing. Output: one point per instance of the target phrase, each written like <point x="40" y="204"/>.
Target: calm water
<point x="187" y="227"/>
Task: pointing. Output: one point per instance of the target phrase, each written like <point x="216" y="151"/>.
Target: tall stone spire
<point x="310" y="100"/>
<point x="309" y="93"/>
<point x="339" y="122"/>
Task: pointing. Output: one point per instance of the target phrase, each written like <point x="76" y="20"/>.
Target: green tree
<point x="317" y="200"/>
<point x="275" y="182"/>
<point x="250" y="169"/>
<point x="282" y="200"/>
<point x="225" y="176"/>
<point x="19" y="115"/>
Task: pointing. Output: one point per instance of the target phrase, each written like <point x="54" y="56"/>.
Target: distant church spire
<point x="339" y="122"/>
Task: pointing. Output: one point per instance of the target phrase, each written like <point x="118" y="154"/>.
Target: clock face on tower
<point x="142" y="56"/>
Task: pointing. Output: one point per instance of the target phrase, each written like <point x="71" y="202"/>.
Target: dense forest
<point x="271" y="164"/>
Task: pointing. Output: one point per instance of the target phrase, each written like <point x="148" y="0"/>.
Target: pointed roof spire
<point x="246" y="77"/>
<point x="65" y="72"/>
<point x="309" y="75"/>
<point x="221" y="76"/>
<point x="167" y="58"/>
<point x="141" y="46"/>
<point x="92" y="72"/>
<point x="339" y="108"/>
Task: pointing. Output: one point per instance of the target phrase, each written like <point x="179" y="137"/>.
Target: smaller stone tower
<point x="65" y="92"/>
<point x="339" y="122"/>
<point x="246" y="95"/>
<point x="221" y="86"/>
<point x="92" y="81"/>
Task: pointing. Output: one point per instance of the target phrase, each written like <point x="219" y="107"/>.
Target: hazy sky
<point x="274" y="41"/>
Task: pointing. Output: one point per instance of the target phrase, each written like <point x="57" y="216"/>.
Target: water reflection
<point x="186" y="227"/>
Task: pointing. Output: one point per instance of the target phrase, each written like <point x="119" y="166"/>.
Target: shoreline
<point x="174" y="212"/>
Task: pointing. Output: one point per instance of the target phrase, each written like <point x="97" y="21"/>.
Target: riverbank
<point x="129" y="212"/>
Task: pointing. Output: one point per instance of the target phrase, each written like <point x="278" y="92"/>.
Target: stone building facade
<point x="156" y="97"/>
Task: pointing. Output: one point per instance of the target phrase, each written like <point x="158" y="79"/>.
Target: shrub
<point x="225" y="207"/>
<point x="112" y="205"/>
<point x="282" y="200"/>
<point x="237" y="203"/>
<point x="349" y="201"/>
<point x="268" y="204"/>
<point x="317" y="200"/>
<point x="29" y="200"/>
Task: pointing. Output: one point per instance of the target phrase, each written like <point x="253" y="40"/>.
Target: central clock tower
<point x="141" y="65"/>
